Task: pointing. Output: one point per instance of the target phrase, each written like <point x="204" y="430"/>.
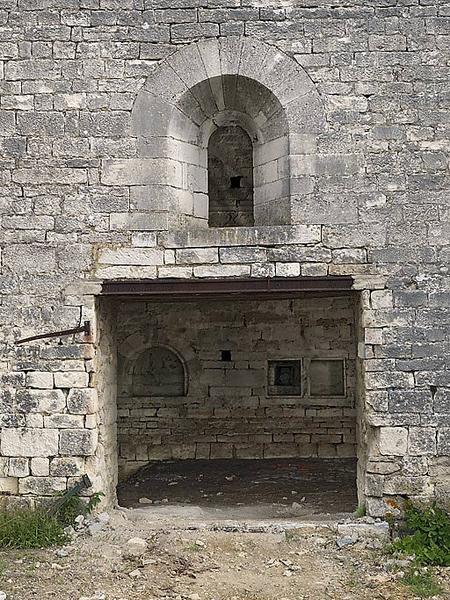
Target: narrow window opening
<point x="230" y="178"/>
<point x="226" y="355"/>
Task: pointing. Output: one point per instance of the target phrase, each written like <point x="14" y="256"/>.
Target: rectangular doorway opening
<point x="237" y="407"/>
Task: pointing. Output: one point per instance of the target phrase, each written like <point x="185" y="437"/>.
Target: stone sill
<point x="242" y="236"/>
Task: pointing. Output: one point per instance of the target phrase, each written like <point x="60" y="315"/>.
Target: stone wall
<point x="357" y="184"/>
<point x="229" y="409"/>
<point x="230" y="178"/>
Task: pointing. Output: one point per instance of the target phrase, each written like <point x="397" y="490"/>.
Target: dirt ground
<point x="204" y="564"/>
<point x="243" y="489"/>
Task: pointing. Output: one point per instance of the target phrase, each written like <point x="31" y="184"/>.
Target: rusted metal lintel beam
<point x="175" y="288"/>
<point x="85" y="328"/>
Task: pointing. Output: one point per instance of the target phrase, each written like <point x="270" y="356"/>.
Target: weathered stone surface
<point x="29" y="442"/>
<point x="71" y="379"/>
<point x="78" y="442"/>
<point x="42" y="486"/>
<point x="393" y="441"/>
<point x="82" y="401"/>
<point x="66" y="467"/>
<point x="104" y="175"/>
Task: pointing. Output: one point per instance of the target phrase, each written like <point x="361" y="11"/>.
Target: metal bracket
<point x="85" y="328"/>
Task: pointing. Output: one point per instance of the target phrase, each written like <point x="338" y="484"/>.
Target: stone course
<point x="87" y="194"/>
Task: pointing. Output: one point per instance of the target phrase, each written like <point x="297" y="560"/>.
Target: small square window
<point x="284" y="378"/>
<point x="327" y="378"/>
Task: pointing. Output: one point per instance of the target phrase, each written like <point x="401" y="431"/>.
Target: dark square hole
<point x="235" y="182"/>
<point x="284" y="378"/>
<point x="226" y="355"/>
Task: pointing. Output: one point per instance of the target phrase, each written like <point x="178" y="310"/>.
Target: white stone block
<point x="393" y="441"/>
<point x="9" y="485"/>
<point x="126" y="272"/>
<point x="287" y="269"/>
<point x="222" y="271"/>
<point x="40" y="467"/>
<point x="29" y="442"/>
<point x="40" y="379"/>
<point x="132" y="256"/>
<point x="373" y="336"/>
<point x="381" y="299"/>
<point x="18" y="467"/>
<point x="71" y="379"/>
<point x="193" y="256"/>
<point x="82" y="401"/>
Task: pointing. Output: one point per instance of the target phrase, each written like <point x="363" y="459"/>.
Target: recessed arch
<point x="158" y="371"/>
<point x="228" y="79"/>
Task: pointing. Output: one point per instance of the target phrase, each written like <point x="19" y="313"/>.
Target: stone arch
<point x="225" y="80"/>
<point x="157" y="370"/>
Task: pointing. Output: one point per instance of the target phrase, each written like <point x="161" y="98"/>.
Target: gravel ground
<point x="205" y="564"/>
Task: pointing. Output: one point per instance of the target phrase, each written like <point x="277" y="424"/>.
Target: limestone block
<point x="193" y="256"/>
<point x="286" y="269"/>
<point x="40" y="467"/>
<point x="42" y="486"/>
<point x="242" y="236"/>
<point x="410" y="401"/>
<point x="169" y="257"/>
<point x="131" y="256"/>
<point x="327" y="164"/>
<point x="323" y="209"/>
<point x="315" y="270"/>
<point x="422" y="441"/>
<point x="175" y="272"/>
<point x="405" y="485"/>
<point x="64" y="421"/>
<point x="40" y="379"/>
<point x="29" y="442"/>
<point x="393" y="441"/>
<point x="29" y="258"/>
<point x="349" y="256"/>
<point x="46" y="402"/>
<point x="381" y="299"/>
<point x="90" y="421"/>
<point x="373" y="336"/>
<point x="222" y="271"/>
<point x="18" y="467"/>
<point x="4" y="465"/>
<point x="9" y="485"/>
<point x="145" y="239"/>
<point x="71" y="379"/>
<point x="383" y="380"/>
<point x="78" y="442"/>
<point x="262" y="270"/>
<point x="142" y="171"/>
<point x="443" y="441"/>
<point x="50" y="176"/>
<point x="82" y="401"/>
<point x="139" y="221"/>
<point x="67" y="467"/>
<point x="34" y="420"/>
<point x="442" y="401"/>
<point x="125" y="272"/>
<point x="242" y="255"/>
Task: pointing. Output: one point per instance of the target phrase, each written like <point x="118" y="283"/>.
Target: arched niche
<point x="230" y="178"/>
<point x="156" y="371"/>
<point x="233" y="81"/>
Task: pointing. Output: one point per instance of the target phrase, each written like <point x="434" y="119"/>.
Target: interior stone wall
<point x="230" y="178"/>
<point x="228" y="409"/>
